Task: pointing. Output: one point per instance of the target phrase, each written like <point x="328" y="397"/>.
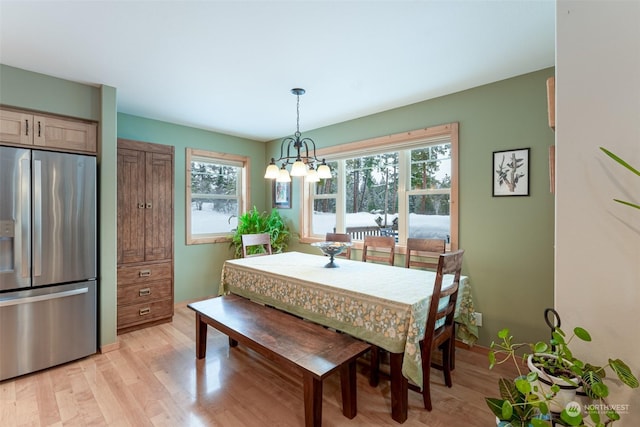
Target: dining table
<point x="383" y="305"/>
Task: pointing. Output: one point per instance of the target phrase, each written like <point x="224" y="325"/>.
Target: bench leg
<point x="349" y="389"/>
<point x="312" y="401"/>
<point x="201" y="337"/>
<point x="399" y="389"/>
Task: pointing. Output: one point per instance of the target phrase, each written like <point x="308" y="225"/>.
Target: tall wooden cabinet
<point x="145" y="234"/>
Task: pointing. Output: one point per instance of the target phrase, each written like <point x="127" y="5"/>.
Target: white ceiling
<point x="228" y="66"/>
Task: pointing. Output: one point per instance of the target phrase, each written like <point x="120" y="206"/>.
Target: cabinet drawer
<point x="144" y="292"/>
<point x="146" y="312"/>
<point x="144" y="273"/>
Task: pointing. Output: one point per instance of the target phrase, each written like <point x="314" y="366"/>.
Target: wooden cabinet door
<point x="16" y="128"/>
<point x="66" y="134"/>
<point x="131" y="206"/>
<point x="159" y="202"/>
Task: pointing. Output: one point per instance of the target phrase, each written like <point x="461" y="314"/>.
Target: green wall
<point x="24" y="89"/>
<point x="508" y="241"/>
<point x="197" y="267"/>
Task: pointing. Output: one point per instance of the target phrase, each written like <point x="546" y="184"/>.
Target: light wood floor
<point x="153" y="379"/>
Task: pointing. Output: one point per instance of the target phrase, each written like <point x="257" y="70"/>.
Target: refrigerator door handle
<point x="37" y="218"/>
<point x="27" y="300"/>
<point x="25" y="202"/>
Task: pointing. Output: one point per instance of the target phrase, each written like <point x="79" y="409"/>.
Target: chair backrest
<point x="340" y="237"/>
<point x="262" y="239"/>
<point x="379" y="244"/>
<point x="448" y="263"/>
<point x="425" y="248"/>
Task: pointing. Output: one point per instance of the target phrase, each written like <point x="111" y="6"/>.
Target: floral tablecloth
<point x="386" y="306"/>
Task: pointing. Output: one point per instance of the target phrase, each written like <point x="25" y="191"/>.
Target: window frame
<point x="400" y="141"/>
<point x="243" y="202"/>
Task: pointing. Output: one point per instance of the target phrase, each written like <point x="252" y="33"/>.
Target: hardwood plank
<point x="47" y="408"/>
<point x="154" y="379"/>
<point x="8" y="401"/>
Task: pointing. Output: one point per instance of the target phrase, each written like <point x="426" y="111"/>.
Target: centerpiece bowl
<point x="331" y="249"/>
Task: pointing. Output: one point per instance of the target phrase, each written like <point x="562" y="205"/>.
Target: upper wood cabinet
<point x="63" y="134"/>
<point x="16" y="128"/>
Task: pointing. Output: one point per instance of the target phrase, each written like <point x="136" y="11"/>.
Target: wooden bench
<point x="288" y="341"/>
<point x="358" y="233"/>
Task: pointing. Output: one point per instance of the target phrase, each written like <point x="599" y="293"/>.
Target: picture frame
<point x="511" y="172"/>
<point x="281" y="195"/>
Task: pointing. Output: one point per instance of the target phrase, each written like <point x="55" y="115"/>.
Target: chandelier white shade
<point x="298" y="152"/>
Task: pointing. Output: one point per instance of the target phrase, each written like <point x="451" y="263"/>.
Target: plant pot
<point x="508" y="424"/>
<point x="567" y="391"/>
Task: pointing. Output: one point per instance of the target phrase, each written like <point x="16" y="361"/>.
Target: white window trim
<point x="403" y="140"/>
<point x="220" y="158"/>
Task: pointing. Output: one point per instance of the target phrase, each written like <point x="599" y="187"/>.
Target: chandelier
<point x="300" y="154"/>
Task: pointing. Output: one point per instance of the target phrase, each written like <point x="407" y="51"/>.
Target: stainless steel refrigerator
<point x="48" y="295"/>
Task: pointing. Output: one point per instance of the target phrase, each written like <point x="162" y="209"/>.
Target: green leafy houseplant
<point x="525" y="402"/>
<point x="255" y="222"/>
<point x="626" y="165"/>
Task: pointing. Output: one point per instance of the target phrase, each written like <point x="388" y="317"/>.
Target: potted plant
<point x="518" y="405"/>
<point x="254" y="222"/>
<point x="627" y="166"/>
<point x="549" y="389"/>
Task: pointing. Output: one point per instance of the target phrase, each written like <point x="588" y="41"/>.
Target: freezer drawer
<point x="46" y="327"/>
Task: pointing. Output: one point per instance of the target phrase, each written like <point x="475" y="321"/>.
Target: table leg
<point x="201" y="337"/>
<point x="399" y="389"/>
<point x="312" y="401"/>
<point x="348" y="384"/>
<point x="374" y="373"/>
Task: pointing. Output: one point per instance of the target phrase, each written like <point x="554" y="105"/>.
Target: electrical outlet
<point x="478" y="317"/>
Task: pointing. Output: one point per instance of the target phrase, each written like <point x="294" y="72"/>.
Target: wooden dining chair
<point x="340" y="237"/>
<point x="439" y="330"/>
<point x="262" y="239"/>
<point x="374" y="245"/>
<point x="424" y="248"/>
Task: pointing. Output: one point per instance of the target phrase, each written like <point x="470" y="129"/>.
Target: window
<point x="403" y="185"/>
<point x="429" y="195"/>
<point x="216" y="194"/>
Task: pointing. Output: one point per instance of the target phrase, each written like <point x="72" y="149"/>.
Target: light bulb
<point x="283" y="175"/>
<point x="298" y="168"/>
<point x="312" y="176"/>
<point x="272" y="171"/>
<point x="324" y="171"/>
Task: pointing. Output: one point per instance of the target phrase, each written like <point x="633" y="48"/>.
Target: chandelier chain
<point x="298" y="116"/>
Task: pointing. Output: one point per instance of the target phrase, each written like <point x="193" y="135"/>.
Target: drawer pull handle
<point x="145" y="273"/>
<point x="145" y="311"/>
<point x="144" y="292"/>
